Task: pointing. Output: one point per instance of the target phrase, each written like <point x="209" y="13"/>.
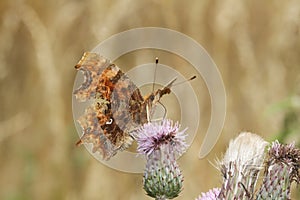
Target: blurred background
<point x="255" y="44"/>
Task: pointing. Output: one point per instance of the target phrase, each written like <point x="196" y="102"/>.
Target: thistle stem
<point x="161" y="198"/>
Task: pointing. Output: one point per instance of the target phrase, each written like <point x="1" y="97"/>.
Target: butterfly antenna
<point x="170" y="84"/>
<point x="154" y="79"/>
<point x="192" y="78"/>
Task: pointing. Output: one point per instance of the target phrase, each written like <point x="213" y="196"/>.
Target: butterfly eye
<point x="151" y="97"/>
<point x="110" y="121"/>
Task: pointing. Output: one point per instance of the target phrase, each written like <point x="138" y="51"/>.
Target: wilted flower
<point x="242" y="162"/>
<point x="240" y="166"/>
<point x="162" y="143"/>
<point x="282" y="168"/>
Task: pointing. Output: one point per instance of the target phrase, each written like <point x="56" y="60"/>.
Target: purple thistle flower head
<point x="287" y="154"/>
<point x="210" y="195"/>
<point x="164" y="134"/>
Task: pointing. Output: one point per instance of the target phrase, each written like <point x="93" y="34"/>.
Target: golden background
<point x="255" y="44"/>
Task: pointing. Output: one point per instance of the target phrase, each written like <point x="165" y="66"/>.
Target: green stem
<point x="161" y="198"/>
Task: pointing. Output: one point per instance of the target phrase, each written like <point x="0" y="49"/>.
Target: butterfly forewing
<point x="116" y="107"/>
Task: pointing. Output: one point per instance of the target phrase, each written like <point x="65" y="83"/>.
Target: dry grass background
<point x="255" y="44"/>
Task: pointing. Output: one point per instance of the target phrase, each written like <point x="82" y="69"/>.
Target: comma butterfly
<point x="117" y="106"/>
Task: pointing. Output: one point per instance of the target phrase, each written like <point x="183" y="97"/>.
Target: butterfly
<point x="116" y="105"/>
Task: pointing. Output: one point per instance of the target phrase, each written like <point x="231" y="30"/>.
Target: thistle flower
<point x="240" y="166"/>
<point x="210" y="195"/>
<point x="161" y="143"/>
<point x="152" y="136"/>
<point x="242" y="163"/>
<point x="282" y="168"/>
